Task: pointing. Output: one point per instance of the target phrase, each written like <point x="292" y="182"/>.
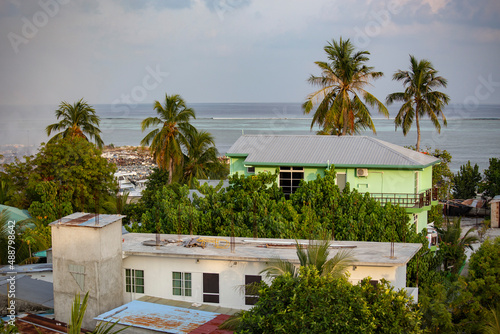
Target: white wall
<point x="158" y="277"/>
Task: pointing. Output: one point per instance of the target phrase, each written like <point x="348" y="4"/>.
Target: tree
<point x="201" y="160"/>
<point x="452" y="245"/>
<point x="167" y="141"/>
<point x="315" y="255"/>
<point x="420" y="97"/>
<point x="63" y="170"/>
<point x="484" y="273"/>
<point x="311" y="303"/>
<point x="491" y="184"/>
<point x="77" y="120"/>
<point x="466" y="181"/>
<point x="340" y="109"/>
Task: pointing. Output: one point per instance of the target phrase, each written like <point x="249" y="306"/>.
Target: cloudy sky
<point x="235" y="50"/>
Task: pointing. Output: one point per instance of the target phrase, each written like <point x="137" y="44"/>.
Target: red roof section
<point x="212" y="327"/>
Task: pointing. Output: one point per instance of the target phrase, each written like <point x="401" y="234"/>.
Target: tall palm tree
<point x="77" y="120"/>
<point x="202" y="160"/>
<point x="340" y="109"/>
<point x="315" y="255"/>
<point x="420" y="97"/>
<point x="166" y="142"/>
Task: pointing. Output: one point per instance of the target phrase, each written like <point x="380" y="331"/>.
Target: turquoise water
<point x="472" y="133"/>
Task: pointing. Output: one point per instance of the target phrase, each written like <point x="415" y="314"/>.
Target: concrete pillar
<point x="495" y="213"/>
<point x="87" y="257"/>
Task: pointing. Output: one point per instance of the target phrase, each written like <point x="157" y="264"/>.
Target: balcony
<point x="407" y="200"/>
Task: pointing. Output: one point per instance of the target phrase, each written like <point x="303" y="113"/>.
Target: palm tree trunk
<point x="170" y="169"/>
<point x="418" y="129"/>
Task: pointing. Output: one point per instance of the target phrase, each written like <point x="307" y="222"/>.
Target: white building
<point x="93" y="256"/>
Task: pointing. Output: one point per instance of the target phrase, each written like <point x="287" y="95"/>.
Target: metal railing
<point x="407" y="200"/>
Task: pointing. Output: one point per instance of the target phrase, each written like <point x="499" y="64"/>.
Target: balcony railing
<point x="407" y="200"/>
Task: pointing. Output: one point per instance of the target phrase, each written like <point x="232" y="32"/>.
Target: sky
<point x="235" y="50"/>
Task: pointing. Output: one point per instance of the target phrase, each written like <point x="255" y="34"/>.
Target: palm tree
<point x="77" y="120"/>
<point x="420" y="97"/>
<point x="340" y="110"/>
<point x="166" y="142"/>
<point x="78" y="310"/>
<point x="201" y="161"/>
<point x="492" y="320"/>
<point x="452" y="246"/>
<point x="315" y="255"/>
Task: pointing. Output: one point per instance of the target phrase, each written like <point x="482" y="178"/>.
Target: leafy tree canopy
<point x="311" y="303"/>
<point x="491" y="184"/>
<point x="69" y="174"/>
<point x="466" y="181"/>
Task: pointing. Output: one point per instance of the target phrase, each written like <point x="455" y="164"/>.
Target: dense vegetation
<point x="255" y="206"/>
<point x="311" y="303"/>
<point x="466" y="181"/>
<point x="466" y="304"/>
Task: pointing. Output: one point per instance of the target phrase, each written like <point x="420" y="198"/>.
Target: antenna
<point x="232" y="240"/>
<point x="191" y="214"/>
<point x="255" y="229"/>
<point x="96" y="201"/>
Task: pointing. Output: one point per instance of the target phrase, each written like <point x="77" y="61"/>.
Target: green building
<point x="389" y="172"/>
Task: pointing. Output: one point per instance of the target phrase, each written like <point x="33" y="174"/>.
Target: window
<point x="134" y="280"/>
<point x="290" y="178"/>
<point x="250" y="294"/>
<point x="210" y="288"/>
<point x="181" y="284"/>
<point x="341" y="180"/>
<point x="251" y="170"/>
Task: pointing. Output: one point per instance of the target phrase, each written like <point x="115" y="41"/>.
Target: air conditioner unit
<point x="362" y="172"/>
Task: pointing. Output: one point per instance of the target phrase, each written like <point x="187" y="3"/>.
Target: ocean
<point x="473" y="133"/>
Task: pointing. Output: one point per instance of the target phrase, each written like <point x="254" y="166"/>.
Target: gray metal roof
<point x="315" y="150"/>
<point x="30" y="290"/>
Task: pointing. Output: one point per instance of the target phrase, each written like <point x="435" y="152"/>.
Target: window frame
<point x="186" y="284"/>
<point x="211" y="291"/>
<point x="251" y="299"/>
<point x="290" y="183"/>
<point x="133" y="280"/>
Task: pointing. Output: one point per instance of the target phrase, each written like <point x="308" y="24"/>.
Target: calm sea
<point x="472" y="133"/>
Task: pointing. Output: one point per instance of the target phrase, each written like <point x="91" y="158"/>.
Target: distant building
<point x="389" y="172"/>
<point x="91" y="254"/>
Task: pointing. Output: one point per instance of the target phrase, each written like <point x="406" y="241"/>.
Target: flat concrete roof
<point x="261" y="249"/>
<point x="87" y="220"/>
